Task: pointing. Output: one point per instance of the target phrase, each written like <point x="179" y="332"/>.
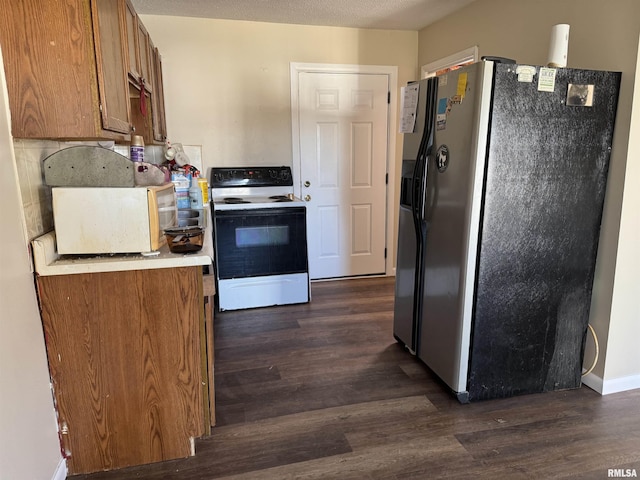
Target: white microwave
<point x="98" y="220"/>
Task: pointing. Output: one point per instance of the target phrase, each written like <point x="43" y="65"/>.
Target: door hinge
<point x="385" y="252"/>
<point x="389" y="98"/>
<point x="386" y="179"/>
<point x="64" y="439"/>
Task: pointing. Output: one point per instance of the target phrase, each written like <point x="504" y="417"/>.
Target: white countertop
<point x="48" y="262"/>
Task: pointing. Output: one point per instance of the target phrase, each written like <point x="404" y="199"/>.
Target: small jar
<point x="136" y="150"/>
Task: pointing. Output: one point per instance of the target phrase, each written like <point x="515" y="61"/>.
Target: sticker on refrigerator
<point x="441" y="114"/>
<point x="525" y="73"/>
<point x="442" y="158"/>
<point x="547" y="79"/>
<point x="462" y="85"/>
<point x="580" y="95"/>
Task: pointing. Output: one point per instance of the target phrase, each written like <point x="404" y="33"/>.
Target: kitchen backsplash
<point x="36" y="196"/>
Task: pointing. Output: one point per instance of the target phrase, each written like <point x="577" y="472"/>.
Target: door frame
<point x="295" y="69"/>
<point x="463" y="57"/>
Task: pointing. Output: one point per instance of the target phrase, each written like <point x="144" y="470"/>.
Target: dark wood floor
<point x="322" y="391"/>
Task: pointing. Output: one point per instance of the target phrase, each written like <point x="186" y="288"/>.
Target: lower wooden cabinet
<point x="127" y="355"/>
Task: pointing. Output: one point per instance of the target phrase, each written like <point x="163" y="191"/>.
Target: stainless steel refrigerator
<point x="502" y="188"/>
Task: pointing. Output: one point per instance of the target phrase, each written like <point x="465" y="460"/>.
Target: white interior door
<point x="343" y="121"/>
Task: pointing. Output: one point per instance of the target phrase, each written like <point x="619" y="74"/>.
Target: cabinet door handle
<point x="307" y="198"/>
<point x="307" y="183"/>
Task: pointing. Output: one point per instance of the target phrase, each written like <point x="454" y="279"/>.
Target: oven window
<point x="262" y="236"/>
<point x="259" y="242"/>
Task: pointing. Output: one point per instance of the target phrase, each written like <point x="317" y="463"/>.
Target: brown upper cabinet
<point x="159" y="118"/>
<point x="110" y="58"/>
<point x="131" y="22"/>
<point x="139" y="49"/>
<point x="144" y="74"/>
<point x="145" y="56"/>
<point x="68" y="65"/>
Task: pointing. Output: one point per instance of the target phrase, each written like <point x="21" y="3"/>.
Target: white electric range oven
<point x="260" y="238"/>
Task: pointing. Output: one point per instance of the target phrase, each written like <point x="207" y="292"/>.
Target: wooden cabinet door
<point x="145" y="56"/>
<point x="49" y="61"/>
<point x="124" y="351"/>
<point x="158" y="111"/>
<point x="131" y="24"/>
<point x="138" y="47"/>
<point x="68" y="65"/>
<point x="109" y="37"/>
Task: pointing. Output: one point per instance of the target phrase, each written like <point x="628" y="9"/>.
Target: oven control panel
<point x="251" y="177"/>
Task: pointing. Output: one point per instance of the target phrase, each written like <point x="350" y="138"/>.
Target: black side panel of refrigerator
<point x="546" y="176"/>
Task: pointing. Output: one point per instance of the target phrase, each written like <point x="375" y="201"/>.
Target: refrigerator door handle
<point x="420" y="171"/>
<point x="431" y="192"/>
<point x="415" y="195"/>
<point x="432" y="94"/>
<point x="420" y="180"/>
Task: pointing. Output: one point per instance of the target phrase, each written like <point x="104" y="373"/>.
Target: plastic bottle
<point x="204" y="186"/>
<point x="136" y="150"/>
<point x="195" y="194"/>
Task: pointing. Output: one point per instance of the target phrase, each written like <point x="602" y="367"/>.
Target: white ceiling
<point x="382" y="14"/>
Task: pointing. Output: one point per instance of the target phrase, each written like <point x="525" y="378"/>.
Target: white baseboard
<point x="621" y="384"/>
<point x="61" y="471"/>
<point x="593" y="382"/>
<point x="606" y="387"/>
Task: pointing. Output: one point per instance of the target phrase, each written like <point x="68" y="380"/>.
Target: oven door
<point x="260" y="242"/>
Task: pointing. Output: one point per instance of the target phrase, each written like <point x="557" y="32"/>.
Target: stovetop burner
<point x="280" y="198"/>
<point x="235" y="200"/>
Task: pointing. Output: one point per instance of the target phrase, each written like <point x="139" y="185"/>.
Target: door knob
<point x="307" y="183"/>
<point x="307" y="198"/>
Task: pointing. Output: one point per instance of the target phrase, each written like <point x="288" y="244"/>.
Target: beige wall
<point x="227" y="83"/>
<point x="29" y="445"/>
<point x="603" y="36"/>
<point x="623" y="358"/>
